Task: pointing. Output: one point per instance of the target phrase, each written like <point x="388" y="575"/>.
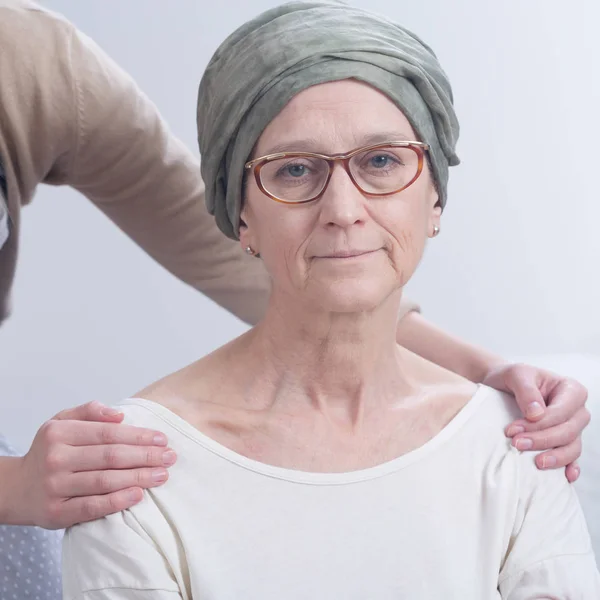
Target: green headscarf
<point x="260" y="67"/>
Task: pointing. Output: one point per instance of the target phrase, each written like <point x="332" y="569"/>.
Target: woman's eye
<point x="380" y="161"/>
<point x="293" y="170"/>
<point x="296" y="170"/>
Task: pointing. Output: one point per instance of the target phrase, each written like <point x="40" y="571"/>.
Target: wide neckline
<point x="311" y="477"/>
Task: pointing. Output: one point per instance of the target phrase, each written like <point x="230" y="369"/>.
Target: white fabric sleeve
<point x="114" y="558"/>
<point x="550" y="553"/>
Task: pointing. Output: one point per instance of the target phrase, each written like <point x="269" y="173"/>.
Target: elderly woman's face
<point x="345" y="251"/>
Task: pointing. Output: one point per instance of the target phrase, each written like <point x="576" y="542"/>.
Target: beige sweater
<point x="70" y="116"/>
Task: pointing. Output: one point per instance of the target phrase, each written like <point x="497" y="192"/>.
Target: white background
<point x="516" y="265"/>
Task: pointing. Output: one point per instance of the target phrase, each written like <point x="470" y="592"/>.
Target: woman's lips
<point x="348" y="254"/>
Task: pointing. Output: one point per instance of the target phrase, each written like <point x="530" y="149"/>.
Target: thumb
<point x="92" y="411"/>
<point x="528" y="397"/>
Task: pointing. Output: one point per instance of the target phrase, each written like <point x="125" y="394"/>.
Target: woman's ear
<point x="243" y="224"/>
<point x="434" y="195"/>
<point x="246" y="237"/>
<point x="434" y="221"/>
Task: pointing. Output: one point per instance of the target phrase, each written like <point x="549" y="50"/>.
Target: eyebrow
<point x="309" y="144"/>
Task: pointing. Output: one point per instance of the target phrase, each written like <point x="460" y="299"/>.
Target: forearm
<point x="9" y="469"/>
<point x="425" y="339"/>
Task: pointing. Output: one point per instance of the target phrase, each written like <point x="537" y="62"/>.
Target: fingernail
<point x="524" y="444"/>
<point x="169" y="458"/>
<point x="159" y="440"/>
<point x="159" y="475"/>
<point x="534" y="410"/>
<point x="577" y="472"/>
<point x="548" y="462"/>
<point x="110" y="412"/>
<point x="514" y="430"/>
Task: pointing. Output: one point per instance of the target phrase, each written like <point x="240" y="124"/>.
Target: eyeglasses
<point x="378" y="170"/>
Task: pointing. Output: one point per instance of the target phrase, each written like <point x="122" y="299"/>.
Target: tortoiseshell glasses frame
<point x="257" y="164"/>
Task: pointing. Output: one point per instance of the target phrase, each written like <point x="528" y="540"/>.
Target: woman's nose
<point x="342" y="203"/>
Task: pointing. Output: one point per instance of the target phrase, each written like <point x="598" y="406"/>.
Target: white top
<point x="465" y="516"/>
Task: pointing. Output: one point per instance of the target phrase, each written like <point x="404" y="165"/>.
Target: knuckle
<point x="153" y="457"/>
<point x="90" y="408"/>
<point x="54" y="514"/>
<point x="51" y="432"/>
<point x="141" y="437"/>
<point x="104" y="482"/>
<point x="564" y="457"/>
<point x="111" y="457"/>
<point x="538" y="426"/>
<point x="54" y="461"/>
<point x="582" y="388"/>
<point x="587" y="417"/>
<point x="570" y="432"/>
<point x="91" y="508"/>
<point x="141" y="478"/>
<point x="59" y="415"/>
<point x="579" y="389"/>
<point x="569" y="453"/>
<point x="544" y="441"/>
<point x="52" y="487"/>
<point x="112" y="504"/>
<point x="107" y="435"/>
<point x="518" y="370"/>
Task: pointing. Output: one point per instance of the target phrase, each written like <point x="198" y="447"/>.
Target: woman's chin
<point x="352" y="295"/>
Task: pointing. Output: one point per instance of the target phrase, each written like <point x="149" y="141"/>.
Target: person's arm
<point x="28" y="555"/>
<point x="9" y="473"/>
<point x="129" y="164"/>
<point x="82" y="465"/>
<point x="422" y="337"/>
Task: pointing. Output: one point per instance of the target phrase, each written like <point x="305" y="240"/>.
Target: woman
<point x="318" y="459"/>
<point x="156" y="196"/>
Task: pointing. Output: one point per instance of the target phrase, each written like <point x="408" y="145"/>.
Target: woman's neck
<point x="341" y="364"/>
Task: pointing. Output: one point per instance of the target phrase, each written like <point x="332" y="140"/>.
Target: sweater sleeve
<point x="128" y="163"/>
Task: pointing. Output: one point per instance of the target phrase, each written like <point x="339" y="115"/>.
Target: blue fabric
<point x="30" y="558"/>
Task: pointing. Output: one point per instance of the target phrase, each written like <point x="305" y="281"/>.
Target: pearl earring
<point x="436" y="230"/>
<point x="250" y="251"/>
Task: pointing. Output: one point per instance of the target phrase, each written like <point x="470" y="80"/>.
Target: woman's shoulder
<point x="480" y="402"/>
<point x="133" y="550"/>
<point x="483" y="437"/>
<point x="141" y="412"/>
<point x="201" y="383"/>
<point x="490" y="411"/>
<point x="496" y="406"/>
